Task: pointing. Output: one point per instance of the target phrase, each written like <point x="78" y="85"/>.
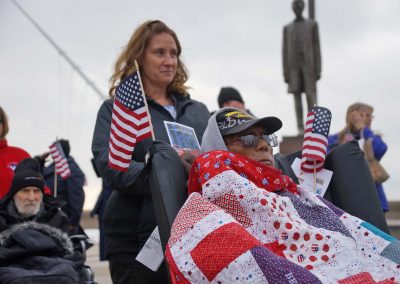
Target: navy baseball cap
<point x="235" y="121"/>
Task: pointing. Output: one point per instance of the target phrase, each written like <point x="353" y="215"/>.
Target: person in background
<point x="35" y="246"/>
<point x="230" y="97"/>
<point x="129" y="217"/>
<point x="70" y="190"/>
<point x="9" y="156"/>
<point x="26" y="201"/>
<point x="358" y="126"/>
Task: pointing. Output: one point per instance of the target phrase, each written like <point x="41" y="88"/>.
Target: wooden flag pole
<point x="55" y="181"/>
<point x="55" y="175"/>
<point x="315" y="176"/>
<point x="145" y="101"/>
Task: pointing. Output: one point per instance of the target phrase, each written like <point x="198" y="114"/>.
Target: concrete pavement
<point x="100" y="268"/>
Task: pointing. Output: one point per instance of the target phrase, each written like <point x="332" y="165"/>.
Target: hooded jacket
<point x="129" y="216"/>
<point x="212" y="138"/>
<point x="50" y="213"/>
<point x="31" y="252"/>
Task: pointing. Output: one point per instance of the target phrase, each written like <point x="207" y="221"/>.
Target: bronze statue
<point x="301" y="60"/>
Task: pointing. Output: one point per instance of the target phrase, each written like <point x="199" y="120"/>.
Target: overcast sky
<point x="231" y="42"/>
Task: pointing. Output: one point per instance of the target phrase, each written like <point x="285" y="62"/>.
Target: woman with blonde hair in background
<point x="358" y="126"/>
<point x="129" y="217"/>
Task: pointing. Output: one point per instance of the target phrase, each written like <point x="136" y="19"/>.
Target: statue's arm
<point x="317" y="52"/>
<point x="285" y="57"/>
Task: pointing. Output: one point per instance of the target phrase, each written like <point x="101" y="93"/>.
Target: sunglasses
<point x="251" y="140"/>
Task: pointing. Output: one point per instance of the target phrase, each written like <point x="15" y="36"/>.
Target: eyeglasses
<point x="251" y="140"/>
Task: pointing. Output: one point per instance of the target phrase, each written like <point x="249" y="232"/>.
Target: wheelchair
<point x="32" y="252"/>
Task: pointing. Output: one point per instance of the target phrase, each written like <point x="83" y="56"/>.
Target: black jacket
<point x="129" y="216"/>
<point x="69" y="191"/>
<point x="51" y="215"/>
<point x="36" y="253"/>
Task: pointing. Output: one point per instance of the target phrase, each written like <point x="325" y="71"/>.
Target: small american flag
<point x="301" y="258"/>
<point x="315" y="139"/>
<point x="60" y="161"/>
<point x="130" y="122"/>
<point x="314" y="247"/>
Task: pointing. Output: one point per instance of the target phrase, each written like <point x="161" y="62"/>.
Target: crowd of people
<point x="275" y="219"/>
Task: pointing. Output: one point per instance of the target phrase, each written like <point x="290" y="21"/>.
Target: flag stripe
<point x="144" y="136"/>
<point x="136" y="117"/>
<point x="116" y="143"/>
<point x="122" y="118"/>
<point x="127" y="129"/>
<point x="313" y="149"/>
<point x="121" y="162"/>
<point x="318" y="139"/>
<point x="120" y="154"/>
<point x="117" y="162"/>
<point x="123" y="135"/>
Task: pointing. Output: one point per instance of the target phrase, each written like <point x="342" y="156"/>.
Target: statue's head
<point x="298" y="7"/>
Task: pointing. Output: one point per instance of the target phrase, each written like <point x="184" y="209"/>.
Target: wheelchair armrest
<point x="81" y="243"/>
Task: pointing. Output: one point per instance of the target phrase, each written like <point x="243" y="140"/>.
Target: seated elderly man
<point x="246" y="222"/>
<point x="26" y="200"/>
<point x="34" y="246"/>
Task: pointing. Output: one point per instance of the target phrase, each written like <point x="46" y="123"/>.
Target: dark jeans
<point x="125" y="269"/>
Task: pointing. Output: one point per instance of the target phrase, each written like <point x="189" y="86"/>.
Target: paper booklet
<point x="182" y="138"/>
<point x="318" y="184"/>
<point x="151" y="255"/>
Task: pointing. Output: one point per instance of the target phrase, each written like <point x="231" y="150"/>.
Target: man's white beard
<point x="26" y="210"/>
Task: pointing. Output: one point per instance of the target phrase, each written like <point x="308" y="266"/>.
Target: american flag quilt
<point x="247" y="223"/>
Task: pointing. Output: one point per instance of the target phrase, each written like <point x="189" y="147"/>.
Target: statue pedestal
<point x="290" y="144"/>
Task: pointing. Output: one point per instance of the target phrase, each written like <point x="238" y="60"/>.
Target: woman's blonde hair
<point x="135" y="49"/>
<point x="3" y="118"/>
<point x="358" y="106"/>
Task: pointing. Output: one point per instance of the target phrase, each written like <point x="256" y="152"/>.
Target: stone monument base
<point x="291" y="144"/>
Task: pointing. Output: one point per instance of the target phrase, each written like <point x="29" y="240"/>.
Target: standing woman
<point x="9" y="156"/>
<point x="358" y="126"/>
<point x="129" y="218"/>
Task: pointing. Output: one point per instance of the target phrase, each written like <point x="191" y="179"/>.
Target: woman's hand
<point x="187" y="160"/>
<point x="357" y="120"/>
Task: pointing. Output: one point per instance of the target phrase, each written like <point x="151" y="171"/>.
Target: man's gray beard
<point x="27" y="211"/>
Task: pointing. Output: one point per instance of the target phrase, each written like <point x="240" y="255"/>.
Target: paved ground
<point x="100" y="268"/>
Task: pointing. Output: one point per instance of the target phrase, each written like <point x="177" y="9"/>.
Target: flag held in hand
<point x="315" y="139"/>
<point x="130" y="122"/>
<point x="60" y="160"/>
